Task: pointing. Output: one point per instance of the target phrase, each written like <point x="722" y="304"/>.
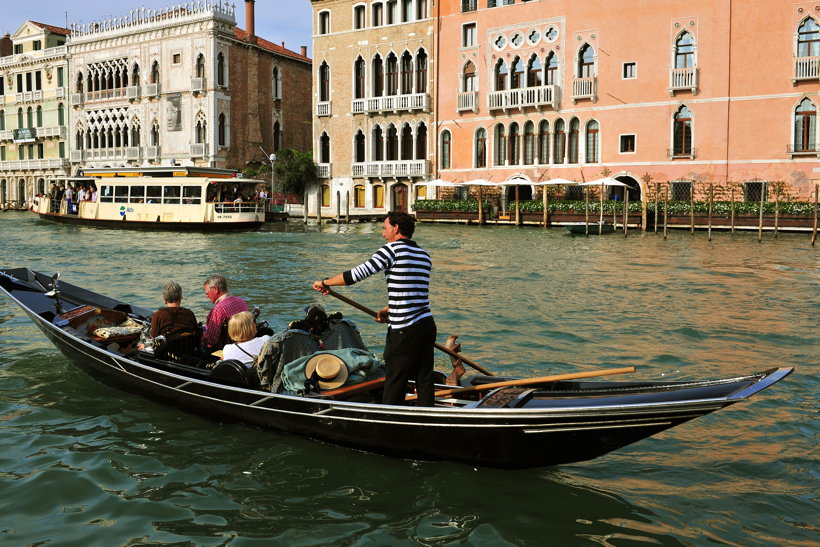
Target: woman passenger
<point x="242" y="329"/>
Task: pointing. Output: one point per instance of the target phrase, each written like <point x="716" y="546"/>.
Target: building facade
<point x="529" y="90"/>
<point x="184" y="86"/>
<point x="374" y="95"/>
<point x="33" y="111"/>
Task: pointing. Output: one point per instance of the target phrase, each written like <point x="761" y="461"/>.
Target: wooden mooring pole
<point x="776" y="209"/>
<point x="760" y="216"/>
<point x="586" y="210"/>
<point x="814" y="231"/>
<point x="665" y="212"/>
<point x="657" y="196"/>
<point x="711" y="197"/>
<point x="626" y="209"/>
<point x="692" y="208"/>
<point x="733" y="210"/>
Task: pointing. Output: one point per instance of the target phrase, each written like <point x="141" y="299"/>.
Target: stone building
<point x="373" y="98"/>
<point x="33" y="111"/>
<point x="183" y="85"/>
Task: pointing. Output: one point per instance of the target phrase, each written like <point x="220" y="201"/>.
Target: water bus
<point x="175" y="198"/>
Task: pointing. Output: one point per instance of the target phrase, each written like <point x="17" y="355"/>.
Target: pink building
<point x="683" y="92"/>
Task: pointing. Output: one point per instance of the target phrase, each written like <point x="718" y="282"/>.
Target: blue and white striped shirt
<point x="406" y="269"/>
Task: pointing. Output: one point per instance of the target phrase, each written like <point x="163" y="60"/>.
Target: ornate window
<point x="406" y="142"/>
<point x="201" y="129"/>
<point x="276" y="83"/>
<point x="200" y="66"/>
<point x="155" y="72"/>
<point x="808" y="39"/>
<point x="421" y="70"/>
<point x="515" y="144"/>
<point x="392" y="75"/>
<point x="446" y="147"/>
<point x="685" y="51"/>
<point x="501" y="75"/>
<point x="500" y="145"/>
<point x="421" y="141"/>
<point x="682" y="133"/>
<point x="544" y="142"/>
<point x="222" y="130"/>
<point x="324" y="148"/>
<point x="518" y="74"/>
<point x="359" y="148"/>
<point x="586" y="62"/>
<point x="221" y="73"/>
<point x="574" y="136"/>
<point x="358" y="79"/>
<point x="277" y="136"/>
<point x="593" y="142"/>
<point x="468" y="79"/>
<point x="534" y="72"/>
<point x="378" y="76"/>
<point x="406" y="73"/>
<point x="378" y="144"/>
<point x="324" y="82"/>
<point x="559" y="142"/>
<point x="481" y="147"/>
<point x="392" y="143"/>
<point x="805" y="127"/>
<point x="529" y="143"/>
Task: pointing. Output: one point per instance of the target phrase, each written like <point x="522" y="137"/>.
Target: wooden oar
<point x="355" y="389"/>
<point x="530" y="381"/>
<point x="446" y="350"/>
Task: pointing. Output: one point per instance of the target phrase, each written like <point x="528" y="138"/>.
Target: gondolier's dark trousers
<point x="408" y="355"/>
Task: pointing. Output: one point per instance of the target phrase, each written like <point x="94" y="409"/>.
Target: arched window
<point x="529" y="143"/>
<point x="421" y="142"/>
<point x="155" y="133"/>
<point x="30" y="117"/>
<point x="808" y="39"/>
<point x="358" y="195"/>
<point x="392" y="75"/>
<point x="586" y="62"/>
<point x="324" y="148"/>
<point x="221" y="76"/>
<point x="378" y="196"/>
<point x="515" y="144"/>
<point x="155" y="73"/>
<point x="60" y="114"/>
<point x="325" y="195"/>
<point x="444" y="152"/>
<point x="392" y="143"/>
<point x="500" y="75"/>
<point x="518" y="74"/>
<point x="685" y="51"/>
<point x="481" y="147"/>
<point x="378" y="144"/>
<point x="79" y="82"/>
<point x="378" y="76"/>
<point x="222" y="130"/>
<point x="500" y="139"/>
<point x="544" y="142"/>
<point x="574" y="134"/>
<point x="805" y="127"/>
<point x="277" y="136"/>
<point x="135" y="74"/>
<point x="201" y="129"/>
<point x="535" y="76"/>
<point x="276" y="83"/>
<point x="324" y="82"/>
<point x="593" y="142"/>
<point x="134" y="134"/>
<point x="421" y="71"/>
<point x="468" y="82"/>
<point x="559" y="142"/>
<point x="200" y="66"/>
<point x="406" y="73"/>
<point x="359" y="149"/>
<point x="358" y="78"/>
<point x="406" y="142"/>
<point x="2" y="120"/>
<point x="682" y="134"/>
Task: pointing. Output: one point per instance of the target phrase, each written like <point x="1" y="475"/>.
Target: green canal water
<point x="85" y="464"/>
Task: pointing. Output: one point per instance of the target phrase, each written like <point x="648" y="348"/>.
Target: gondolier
<point x="408" y="351"/>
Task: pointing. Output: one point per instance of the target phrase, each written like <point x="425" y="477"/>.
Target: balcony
<point x="683" y="154"/>
<point x="132" y="92"/>
<point x="683" y="79"/>
<point x="323" y="170"/>
<point x="400" y="168"/>
<point x="152" y="152"/>
<point x="77" y="156"/>
<point x="60" y="93"/>
<point x="585" y="88"/>
<point x="151" y="90"/>
<point x="197" y="85"/>
<point x="808" y="149"/>
<point x="105" y="94"/>
<point x="394" y="103"/>
<point x="29" y="96"/>
<point x="358" y="106"/>
<point x="132" y="153"/>
<point x="323" y="109"/>
<point x="467" y="100"/>
<point x="537" y="97"/>
<point x="77" y="99"/>
<point x="198" y="150"/>
<point x="57" y="163"/>
<point x="806" y="68"/>
<point x="2" y="100"/>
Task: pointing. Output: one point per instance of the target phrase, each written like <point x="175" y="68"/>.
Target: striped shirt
<point x="406" y="269"/>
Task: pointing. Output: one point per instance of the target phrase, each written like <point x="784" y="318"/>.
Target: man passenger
<point x="225" y="306"/>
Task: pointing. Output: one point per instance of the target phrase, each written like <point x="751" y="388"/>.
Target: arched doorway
<point x="524" y="192"/>
<point x="617" y="192"/>
<point x="399" y="195"/>
<point x="21" y="191"/>
<point x="41" y="186"/>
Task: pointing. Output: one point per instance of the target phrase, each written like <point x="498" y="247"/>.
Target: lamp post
<point x="272" y="159"/>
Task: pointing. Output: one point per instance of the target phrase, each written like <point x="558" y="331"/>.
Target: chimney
<point x="6" y="45"/>
<point x="250" y="25"/>
<point x="304" y="51"/>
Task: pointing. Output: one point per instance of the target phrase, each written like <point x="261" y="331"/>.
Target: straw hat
<point x="331" y="370"/>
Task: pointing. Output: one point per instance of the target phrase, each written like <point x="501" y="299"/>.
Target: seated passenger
<point x="173" y="318"/>
<point x="242" y="329"/>
<point x="226" y="306"/>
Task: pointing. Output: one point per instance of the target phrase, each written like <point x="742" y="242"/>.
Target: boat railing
<point x="239" y="206"/>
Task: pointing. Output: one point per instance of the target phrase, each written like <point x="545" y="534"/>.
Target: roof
<point x="270" y="46"/>
<point x="52" y="29"/>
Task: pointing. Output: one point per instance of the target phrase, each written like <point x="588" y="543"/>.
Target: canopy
<point x="479" y="182"/>
<point x="555" y="182"/>
<point x="606" y="181"/>
<point x="437" y="183"/>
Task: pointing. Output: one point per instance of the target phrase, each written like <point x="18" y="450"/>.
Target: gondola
<point x="531" y="426"/>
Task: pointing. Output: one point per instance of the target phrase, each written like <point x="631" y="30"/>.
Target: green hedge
<point x="724" y="208"/>
<point x="434" y="205"/>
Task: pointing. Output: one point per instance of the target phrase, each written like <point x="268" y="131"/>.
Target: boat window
<point x="192" y="195"/>
<point x="153" y="194"/>
<point x="107" y="194"/>
<point x="120" y="194"/>
<point x="137" y="194"/>
<point x="170" y="194"/>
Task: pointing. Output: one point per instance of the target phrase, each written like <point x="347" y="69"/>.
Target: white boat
<point x="175" y="198"/>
